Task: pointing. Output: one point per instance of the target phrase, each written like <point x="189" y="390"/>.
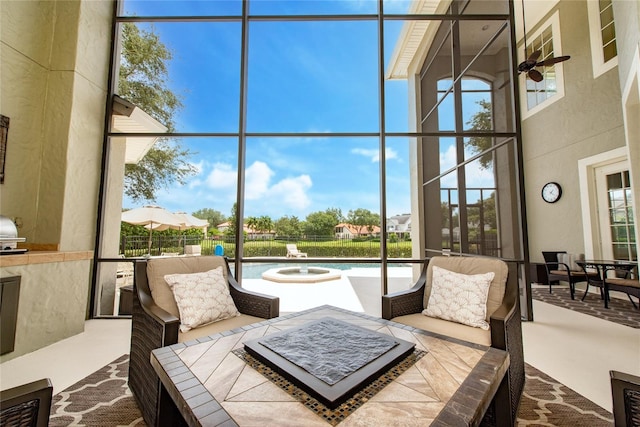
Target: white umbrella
<point x="186" y="222"/>
<point x="191" y="221"/>
<point x="152" y="217"/>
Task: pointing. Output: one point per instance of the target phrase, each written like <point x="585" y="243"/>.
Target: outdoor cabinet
<point x="538" y="273"/>
<point x="9" y="293"/>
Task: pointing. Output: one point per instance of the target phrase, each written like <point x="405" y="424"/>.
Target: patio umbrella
<point x="191" y="221"/>
<point x="152" y="217"/>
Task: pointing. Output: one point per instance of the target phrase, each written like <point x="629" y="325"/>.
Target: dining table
<point x="603" y="267"/>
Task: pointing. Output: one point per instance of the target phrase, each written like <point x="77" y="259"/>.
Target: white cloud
<point x="292" y="192"/>
<point x="222" y="176"/>
<point x="374" y="154"/>
<point x="257" y="178"/>
<point x="195" y="183"/>
<point x="390" y="153"/>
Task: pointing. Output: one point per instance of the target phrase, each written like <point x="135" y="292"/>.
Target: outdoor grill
<point x="9" y="237"/>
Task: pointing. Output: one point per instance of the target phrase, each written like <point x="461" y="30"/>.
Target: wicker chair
<point x="625" y="285"/>
<point x="625" y="393"/>
<point x="505" y="333"/>
<point x="26" y="405"/>
<point x="153" y="327"/>
<point x="555" y="274"/>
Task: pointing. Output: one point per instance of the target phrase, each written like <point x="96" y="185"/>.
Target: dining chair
<point x="620" y="284"/>
<point x="558" y="271"/>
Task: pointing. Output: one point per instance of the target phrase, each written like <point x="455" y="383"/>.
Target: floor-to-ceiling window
<point x="282" y="122"/>
<point x="470" y="172"/>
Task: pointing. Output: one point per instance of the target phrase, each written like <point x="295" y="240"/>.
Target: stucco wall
<point x="627" y="17"/>
<point x="627" y="20"/>
<point x="587" y="121"/>
<point x="52" y="303"/>
<point x="55" y="58"/>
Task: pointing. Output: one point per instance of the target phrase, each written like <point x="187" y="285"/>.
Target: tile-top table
<point x="210" y="385"/>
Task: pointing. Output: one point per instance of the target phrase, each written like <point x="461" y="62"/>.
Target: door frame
<point x="588" y="197"/>
<point x="604" y="220"/>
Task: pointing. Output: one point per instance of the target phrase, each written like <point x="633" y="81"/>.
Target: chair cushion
<point x="574" y="273"/>
<point x="202" y="298"/>
<point x="157" y="268"/>
<point x="221" y="326"/>
<point x="459" y="297"/>
<point x="632" y="283"/>
<point x="473" y="265"/>
<point x="445" y="327"/>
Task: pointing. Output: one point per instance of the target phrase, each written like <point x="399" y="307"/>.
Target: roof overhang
<point x="416" y="36"/>
<point x="127" y="118"/>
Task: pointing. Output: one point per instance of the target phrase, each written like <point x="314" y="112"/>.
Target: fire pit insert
<point x="328" y="358"/>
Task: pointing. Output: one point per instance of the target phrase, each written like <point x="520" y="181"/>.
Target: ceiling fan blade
<point x="552" y="61"/>
<point x="534" y="56"/>
<point x="535" y="75"/>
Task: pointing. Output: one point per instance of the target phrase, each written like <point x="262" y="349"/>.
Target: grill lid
<point x="8" y="234"/>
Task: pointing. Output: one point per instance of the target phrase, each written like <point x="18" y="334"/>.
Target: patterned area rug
<point x="620" y="310"/>
<point x="103" y="399"/>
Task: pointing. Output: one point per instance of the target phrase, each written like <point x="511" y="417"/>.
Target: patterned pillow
<point x="459" y="297"/>
<point x="201" y="298"/>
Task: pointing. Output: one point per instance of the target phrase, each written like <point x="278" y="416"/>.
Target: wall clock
<point x="551" y="192"/>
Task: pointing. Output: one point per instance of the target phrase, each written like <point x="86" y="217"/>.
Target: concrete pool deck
<point x="358" y="289"/>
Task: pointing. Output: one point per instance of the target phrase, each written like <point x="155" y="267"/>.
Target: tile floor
<point x="576" y="349"/>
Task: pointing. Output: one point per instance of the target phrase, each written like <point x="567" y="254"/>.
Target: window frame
<point x="599" y="65"/>
<point x="554" y="22"/>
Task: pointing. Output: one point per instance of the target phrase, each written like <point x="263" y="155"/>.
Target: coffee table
<point x="206" y="383"/>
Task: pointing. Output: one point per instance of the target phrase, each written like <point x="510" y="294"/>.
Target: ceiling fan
<point x="529" y="65"/>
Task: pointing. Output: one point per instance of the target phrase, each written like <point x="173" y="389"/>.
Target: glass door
<point x="615" y="203"/>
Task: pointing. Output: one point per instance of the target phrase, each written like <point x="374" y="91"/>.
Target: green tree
<point x="265" y="224"/>
<point x="252" y="222"/>
<point x="213" y="216"/>
<point x="230" y="232"/>
<point x="482" y="121"/>
<point x="363" y="219"/>
<point x="143" y="80"/>
<point x="444" y="208"/>
<point x="322" y="223"/>
<point x="488" y="213"/>
<point x="288" y="227"/>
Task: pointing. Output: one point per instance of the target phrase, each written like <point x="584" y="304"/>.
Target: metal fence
<point x="314" y="246"/>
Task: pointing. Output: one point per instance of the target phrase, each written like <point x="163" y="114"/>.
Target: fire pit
<point x="301" y="274"/>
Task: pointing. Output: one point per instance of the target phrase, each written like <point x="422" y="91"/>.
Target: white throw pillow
<point x="201" y="298"/>
<point x="459" y="297"/>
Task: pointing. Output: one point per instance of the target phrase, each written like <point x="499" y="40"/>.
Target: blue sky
<point x="319" y="77"/>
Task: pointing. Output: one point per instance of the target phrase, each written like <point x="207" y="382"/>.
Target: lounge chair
<point x="155" y="323"/>
<point x="502" y="315"/>
<point x="293" y="252"/>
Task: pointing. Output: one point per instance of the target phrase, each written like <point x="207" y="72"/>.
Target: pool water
<point x="254" y="271"/>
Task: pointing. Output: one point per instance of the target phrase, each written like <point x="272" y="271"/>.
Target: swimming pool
<point x="255" y="270"/>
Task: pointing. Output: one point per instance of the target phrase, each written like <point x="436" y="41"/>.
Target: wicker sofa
<point x="155" y="323"/>
<point x="503" y="316"/>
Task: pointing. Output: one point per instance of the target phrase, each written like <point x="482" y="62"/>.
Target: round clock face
<point x="551" y="192"/>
